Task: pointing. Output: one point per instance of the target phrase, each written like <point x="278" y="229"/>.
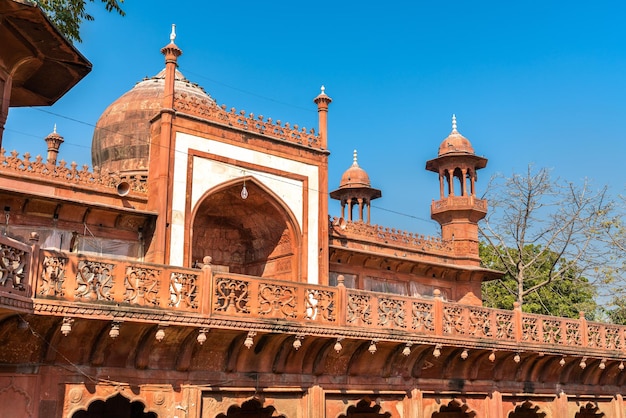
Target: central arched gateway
<point x="256" y="235"/>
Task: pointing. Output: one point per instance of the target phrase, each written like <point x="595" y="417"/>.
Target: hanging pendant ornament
<point x="244" y="191"/>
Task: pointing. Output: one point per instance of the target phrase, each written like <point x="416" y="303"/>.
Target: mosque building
<point x="195" y="271"/>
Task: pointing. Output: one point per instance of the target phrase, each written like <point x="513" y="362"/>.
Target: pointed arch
<point x="258" y="235"/>
<point x="365" y="408"/>
<point x="117" y="405"/>
<point x="526" y="410"/>
<point x="251" y="408"/>
<point x="589" y="411"/>
<point x="454" y="409"/>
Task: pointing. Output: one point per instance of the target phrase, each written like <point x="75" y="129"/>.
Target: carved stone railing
<point x="390" y="236"/>
<point x="452" y="202"/>
<point x="199" y="295"/>
<point x="60" y="172"/>
<point x="238" y="119"/>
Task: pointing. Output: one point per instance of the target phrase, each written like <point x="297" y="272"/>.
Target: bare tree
<point x="541" y="230"/>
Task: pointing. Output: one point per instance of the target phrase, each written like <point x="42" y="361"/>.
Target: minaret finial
<point x="173" y="34"/>
<point x="323" y="89"/>
<point x="354" y="163"/>
<point x="54" y="131"/>
<point x="454" y="123"/>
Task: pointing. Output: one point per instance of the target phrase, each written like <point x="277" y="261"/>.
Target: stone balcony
<point x="73" y="286"/>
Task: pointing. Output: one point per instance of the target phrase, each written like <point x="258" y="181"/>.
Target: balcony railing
<point x="164" y="293"/>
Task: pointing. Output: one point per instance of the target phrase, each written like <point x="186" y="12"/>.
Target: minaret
<point x="162" y="160"/>
<point x="458" y="210"/>
<point x="355" y="189"/>
<point x="54" y="141"/>
<point x="322" y="101"/>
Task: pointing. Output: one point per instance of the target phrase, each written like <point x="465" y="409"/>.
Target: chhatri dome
<point x="121" y="139"/>
<point x="354" y="176"/>
<point x="455" y="143"/>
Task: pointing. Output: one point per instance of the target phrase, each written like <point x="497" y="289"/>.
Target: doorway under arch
<point x="257" y="236"/>
<point x="117" y="406"/>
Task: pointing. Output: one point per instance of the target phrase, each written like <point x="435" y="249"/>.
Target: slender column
<point x="369" y="205"/>
<point x="161" y="160"/>
<point x="451" y="183"/>
<point x="6" y="81"/>
<point x="360" y="202"/>
<point x="441" y="185"/>
<point x="464" y="181"/>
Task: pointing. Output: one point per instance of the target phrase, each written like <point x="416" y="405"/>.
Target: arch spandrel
<point x="527" y="409"/>
<point x="258" y="235"/>
<point x="79" y="397"/>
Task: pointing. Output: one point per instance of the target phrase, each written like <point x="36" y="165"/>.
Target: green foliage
<point x="616" y="310"/>
<point x="565" y="296"/>
<point x="68" y="15"/>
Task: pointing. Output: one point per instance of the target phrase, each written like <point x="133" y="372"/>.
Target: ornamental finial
<point x="54" y="131"/>
<point x="454" y="123"/>
<point x="173" y="34"/>
<point x="323" y="89"/>
<point x="354" y="163"/>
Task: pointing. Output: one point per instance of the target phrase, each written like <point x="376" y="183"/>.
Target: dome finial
<point x="54" y="131"/>
<point x="323" y="89"/>
<point x="354" y="163"/>
<point x="173" y="34"/>
<point x="454" y="123"/>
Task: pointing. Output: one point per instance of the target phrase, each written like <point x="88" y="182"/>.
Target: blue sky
<point x="530" y="82"/>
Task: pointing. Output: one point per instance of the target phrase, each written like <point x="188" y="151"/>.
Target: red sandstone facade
<point x="195" y="272"/>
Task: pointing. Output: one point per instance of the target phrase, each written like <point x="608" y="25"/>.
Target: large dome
<point x="122" y="135"/>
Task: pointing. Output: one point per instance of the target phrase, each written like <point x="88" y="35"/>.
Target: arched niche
<point x="116" y="406"/>
<point x="257" y="236"/>
<point x="364" y="409"/>
<point x="249" y="409"/>
<point x="527" y="410"/>
<point x="454" y="409"/>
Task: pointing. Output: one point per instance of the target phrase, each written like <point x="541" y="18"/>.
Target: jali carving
<point x="552" y="331"/>
<point x="480" y="323"/>
<point x="612" y="338"/>
<point x="231" y="296"/>
<point x="359" y="309"/>
<point x="277" y="301"/>
<point x="572" y="333"/>
<point x="53" y="276"/>
<point x="593" y="336"/>
<point x="423" y="317"/>
<point x="320" y="305"/>
<point x="391" y="313"/>
<point x="529" y="329"/>
<point x="12" y="267"/>
<point x="142" y="286"/>
<point x="453" y="322"/>
<point x="94" y="280"/>
<point x="183" y="290"/>
<point x="504" y="326"/>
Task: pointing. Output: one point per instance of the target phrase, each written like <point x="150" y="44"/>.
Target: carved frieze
<point x="142" y="286"/>
<point x="231" y="296"/>
<point x="277" y="301"/>
<point x="320" y="305"/>
<point x="423" y="320"/>
<point x="391" y="313"/>
<point x="184" y="290"/>
<point x="53" y="276"/>
<point x="359" y="309"/>
<point x="94" y="281"/>
<point x="12" y="267"/>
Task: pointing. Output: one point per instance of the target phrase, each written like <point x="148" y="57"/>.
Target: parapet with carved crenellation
<point x="387" y="236"/>
<point x="460" y="201"/>
<point x="62" y="173"/>
<point x="208" y="109"/>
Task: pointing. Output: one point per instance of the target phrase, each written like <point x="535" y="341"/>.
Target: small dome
<point x="354" y="176"/>
<point x="121" y="139"/>
<point x="455" y="143"/>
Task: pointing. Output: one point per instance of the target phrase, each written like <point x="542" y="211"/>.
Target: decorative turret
<point x="322" y="101"/>
<point x="355" y="189"/>
<point x="54" y="141"/>
<point x="458" y="210"/>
